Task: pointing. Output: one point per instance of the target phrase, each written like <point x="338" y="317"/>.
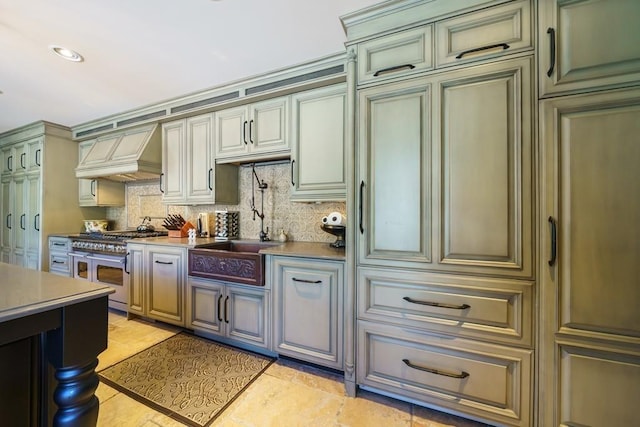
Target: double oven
<point x="102" y="258"/>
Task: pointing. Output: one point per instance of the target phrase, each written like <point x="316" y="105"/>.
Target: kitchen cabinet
<point x="318" y="137"/>
<point x="445" y="176"/>
<point x="443" y="202"/>
<point x="607" y="27"/>
<point x="308" y="309"/>
<point x="590" y="241"/>
<point x="98" y="192"/>
<point x="38" y="160"/>
<point x="253" y="132"/>
<point x="59" y="259"/>
<point x="237" y="314"/>
<point x="190" y="175"/>
<point x="156" y="280"/>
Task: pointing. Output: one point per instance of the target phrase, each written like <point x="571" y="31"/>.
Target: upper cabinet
<point x="252" y="132"/>
<point x="318" y="144"/>
<point x="98" y="192"/>
<point x="587" y="45"/>
<point x="190" y="175"/>
<point x="24" y="157"/>
<point x="480" y="35"/>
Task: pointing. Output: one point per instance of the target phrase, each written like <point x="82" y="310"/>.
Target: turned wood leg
<point x="74" y="395"/>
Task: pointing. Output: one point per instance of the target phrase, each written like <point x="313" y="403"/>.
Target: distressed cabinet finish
<point x="251" y="132"/>
<point x="190" y="175"/>
<point x="237" y="314"/>
<point x="587" y="44"/>
<point x="318" y="170"/>
<point x="590" y="245"/>
<point x="477" y="157"/>
<point x="156" y="279"/>
<point x="308" y="309"/>
<point x="38" y="160"/>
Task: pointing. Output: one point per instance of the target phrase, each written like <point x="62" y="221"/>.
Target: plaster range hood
<point x="133" y="154"/>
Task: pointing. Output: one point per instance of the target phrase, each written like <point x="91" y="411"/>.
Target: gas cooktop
<point x="120" y="235"/>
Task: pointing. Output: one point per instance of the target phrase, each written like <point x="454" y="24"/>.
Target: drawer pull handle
<point x="504" y="46"/>
<point x="391" y="69"/>
<point x="437" y="304"/>
<point x="552" y="50"/>
<point x="164" y="262"/>
<point x="460" y="376"/>
<point x="305" y="280"/>
<point x="59" y="244"/>
<point x="55" y="261"/>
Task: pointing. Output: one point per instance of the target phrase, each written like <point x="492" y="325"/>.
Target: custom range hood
<point x="134" y="154"/>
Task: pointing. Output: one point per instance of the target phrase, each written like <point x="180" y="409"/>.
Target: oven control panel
<point x="95" y="246"/>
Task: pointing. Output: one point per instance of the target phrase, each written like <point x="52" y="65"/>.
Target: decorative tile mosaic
<point x="300" y="221"/>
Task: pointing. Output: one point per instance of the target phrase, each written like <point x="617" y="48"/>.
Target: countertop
<point x="298" y="249"/>
<point x="24" y="292"/>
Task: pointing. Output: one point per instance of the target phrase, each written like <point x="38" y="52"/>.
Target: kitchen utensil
<point x="146" y="225"/>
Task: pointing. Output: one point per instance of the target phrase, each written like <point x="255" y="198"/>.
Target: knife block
<point x="183" y="232"/>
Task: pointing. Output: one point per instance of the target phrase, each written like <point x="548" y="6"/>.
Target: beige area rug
<point x="187" y="378"/>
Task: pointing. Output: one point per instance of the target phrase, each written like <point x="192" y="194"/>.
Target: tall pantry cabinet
<point x="39" y="192"/>
<point x="589" y="82"/>
<point x="444" y="201"/>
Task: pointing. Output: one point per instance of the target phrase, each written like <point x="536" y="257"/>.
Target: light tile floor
<point x="286" y="394"/>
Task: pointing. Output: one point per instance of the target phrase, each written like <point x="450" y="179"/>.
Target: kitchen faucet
<point x="264" y="235"/>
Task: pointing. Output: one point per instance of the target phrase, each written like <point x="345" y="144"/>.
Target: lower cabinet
<point x="156" y="280"/>
<point x="229" y="311"/>
<point x="59" y="259"/>
<point x="489" y="381"/>
<point x="308" y="301"/>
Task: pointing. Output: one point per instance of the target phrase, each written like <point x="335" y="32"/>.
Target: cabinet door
<point x="232" y="137"/>
<point x="246" y="315"/>
<point x="205" y="306"/>
<point x="268" y="126"/>
<point x="395" y="174"/>
<point x="309" y="297"/>
<point x="34" y="216"/>
<point x="134" y="278"/>
<point x="596" y="44"/>
<point x="318" y="145"/>
<point x="165" y="284"/>
<point x="199" y="155"/>
<point x="8" y="217"/>
<point x="590" y="323"/>
<point x="172" y="183"/>
<point x="8" y="160"/>
<point x="33" y="157"/>
<point x="484" y="133"/>
<point x="20" y="194"/>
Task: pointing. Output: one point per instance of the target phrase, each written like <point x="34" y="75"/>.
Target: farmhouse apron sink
<point x="232" y="261"/>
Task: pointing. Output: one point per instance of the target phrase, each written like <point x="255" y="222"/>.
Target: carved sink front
<point x="237" y="262"/>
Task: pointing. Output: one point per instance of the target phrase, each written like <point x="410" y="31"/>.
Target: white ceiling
<point x="138" y="52"/>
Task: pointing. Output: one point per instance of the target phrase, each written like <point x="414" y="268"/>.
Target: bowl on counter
<point x="96" y="225"/>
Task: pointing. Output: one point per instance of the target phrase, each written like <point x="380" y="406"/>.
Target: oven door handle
<point x="97" y="258"/>
<point x="77" y="255"/>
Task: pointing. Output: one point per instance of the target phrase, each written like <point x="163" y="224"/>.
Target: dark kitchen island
<point x="52" y="329"/>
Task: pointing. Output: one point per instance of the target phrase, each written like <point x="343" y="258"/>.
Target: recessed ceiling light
<point x="68" y="54"/>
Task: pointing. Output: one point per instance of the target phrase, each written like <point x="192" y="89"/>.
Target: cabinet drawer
<point x="491" y="309"/>
<point x="488" y="381"/>
<point x="395" y="55"/>
<point x="59" y="263"/>
<point x="59" y="244"/>
<point x="484" y="34"/>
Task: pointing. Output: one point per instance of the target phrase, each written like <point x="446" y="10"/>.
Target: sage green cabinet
<point x="238" y="314"/>
<point x="587" y="44"/>
<point x="590" y="325"/>
<point x="38" y="160"/>
<point x="156" y="276"/>
<point x="308" y="309"/>
<point x="445" y="171"/>
<point x="318" y="171"/>
<point x="253" y="132"/>
<point x="190" y="175"/>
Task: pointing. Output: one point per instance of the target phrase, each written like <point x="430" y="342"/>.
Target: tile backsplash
<point x="301" y="221"/>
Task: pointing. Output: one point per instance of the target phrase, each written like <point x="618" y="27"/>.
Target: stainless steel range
<point x="102" y="258"/>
